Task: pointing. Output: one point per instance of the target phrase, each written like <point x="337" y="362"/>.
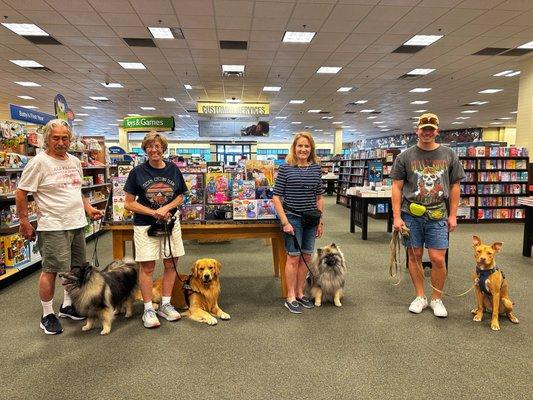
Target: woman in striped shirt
<point x="298" y="189"/>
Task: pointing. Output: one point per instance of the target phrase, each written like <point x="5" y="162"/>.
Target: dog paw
<point x="338" y="304"/>
<point x="513" y="319"/>
<point x="318" y="303"/>
<point x="477" y="318"/>
<point x="86" y="328"/>
<point x="474" y="310"/>
<point x="212" y="321"/>
<point x="495" y="326"/>
<point x="225" y="316"/>
<point x="105" y="331"/>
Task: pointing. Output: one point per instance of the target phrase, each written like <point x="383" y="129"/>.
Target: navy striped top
<point x="299" y="186"/>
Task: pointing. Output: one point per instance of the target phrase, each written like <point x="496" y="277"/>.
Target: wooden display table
<point x="359" y="213"/>
<point x="124" y="233"/>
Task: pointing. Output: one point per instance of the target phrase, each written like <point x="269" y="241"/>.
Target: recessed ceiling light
<point x="345" y="89"/>
<point x="371" y="117"/>
<point x="296" y="101"/>
<point x="378" y="122"/>
<point x="25" y="29"/>
<point x="187" y="86"/>
<point x="469" y="111"/>
<point x="295" y="122"/>
<point x="280" y="117"/>
<point x="503" y="73"/>
<point x="111" y="85"/>
<point x="82" y="115"/>
<point x="77" y="120"/>
<point x="477" y="103"/>
<point x="27" y="63"/>
<point x="99" y="98"/>
<point x="420" y="102"/>
<point x="233" y="101"/>
<point x="34" y="107"/>
<point x="528" y="45"/>
<point x="298" y="37"/>
<point x="489" y="91"/>
<point x="313" y="111"/>
<point x="26" y="97"/>
<point x="328" y="70"/>
<point x="419" y="111"/>
<point x="422" y="40"/>
<point x="327" y="117"/>
<point x="232" y="68"/>
<point x="169" y="99"/>
<point x="361" y="101"/>
<point x="132" y="115"/>
<point x="421" y="71"/>
<point x="420" y="90"/>
<point x="148" y="108"/>
<point x="462" y="117"/>
<point x="457" y="123"/>
<point x="337" y="122"/>
<point x="28" y="84"/>
<point x="184" y="116"/>
<point x="161" y="33"/>
<point x="132" y="65"/>
<point x="496" y="123"/>
<point x="271" y="88"/>
<point x="367" y="111"/>
<point x="513" y="112"/>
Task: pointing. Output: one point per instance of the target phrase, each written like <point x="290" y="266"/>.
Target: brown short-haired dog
<point x="492" y="289"/>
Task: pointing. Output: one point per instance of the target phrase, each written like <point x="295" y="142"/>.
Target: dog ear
<point x="476" y="241"/>
<point x="194" y="269"/>
<point x="333" y="245"/>
<point x="497" y="246"/>
<point x="319" y="251"/>
<point x="218" y="266"/>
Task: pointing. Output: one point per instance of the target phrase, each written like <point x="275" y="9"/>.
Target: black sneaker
<point x="70" y="312"/>
<point x="293" y="307"/>
<point x="50" y="325"/>
<point x="305" y="302"/>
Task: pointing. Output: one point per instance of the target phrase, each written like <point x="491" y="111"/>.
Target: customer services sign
<point x="146" y="123"/>
<point x="233" y="109"/>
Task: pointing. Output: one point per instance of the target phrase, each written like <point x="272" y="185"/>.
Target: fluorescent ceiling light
<point x="25" y="29"/>
<point x="496" y="123"/>
<point x="319" y="130"/>
<point x="528" y="45"/>
<point x="298" y="37"/>
<point x="232" y="68"/>
<point x="82" y="115"/>
<point x="233" y="101"/>
<point x="327" y="117"/>
<point x="132" y="65"/>
<point x="99" y="98"/>
<point x="361" y="101"/>
<point x="313" y="111"/>
<point x="503" y="73"/>
<point x="513" y="74"/>
<point x="27" y="63"/>
<point x="489" y="91"/>
<point x="120" y="120"/>
<point x="372" y="117"/>
<point x="296" y="101"/>
<point x="29" y="84"/>
<point x="112" y="124"/>
<point x="34" y="107"/>
<point x="422" y="40"/>
<point x="26" y="97"/>
<point x="345" y="89"/>
<point x="328" y="70"/>
<point x="170" y="99"/>
<point x="506" y="118"/>
<point x="513" y="112"/>
<point x="134" y="115"/>
<point x="419" y="111"/>
<point x="148" y="108"/>
<point x="77" y="120"/>
<point x="421" y="71"/>
<point x="161" y="33"/>
<point x="278" y="117"/>
<point x="378" y="122"/>
<point x="477" y="103"/>
<point x="420" y="102"/>
<point x="89" y="108"/>
<point x="420" y="90"/>
<point x="346" y="126"/>
<point x="295" y="122"/>
<point x="457" y="123"/>
<point x="469" y="111"/>
<point x="367" y="111"/>
<point x="385" y="130"/>
<point x="462" y="117"/>
<point x="271" y="88"/>
<point x="184" y="116"/>
<point x="338" y="122"/>
<point x="382" y="126"/>
<point x="187" y="86"/>
<point x="112" y="85"/>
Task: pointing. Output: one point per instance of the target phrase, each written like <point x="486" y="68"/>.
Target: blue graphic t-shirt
<point x="154" y="187"/>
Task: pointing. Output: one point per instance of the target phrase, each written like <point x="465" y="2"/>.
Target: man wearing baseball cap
<point x="425" y="195"/>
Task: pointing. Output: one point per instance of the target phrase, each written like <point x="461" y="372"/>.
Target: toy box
<point x="16" y="250"/>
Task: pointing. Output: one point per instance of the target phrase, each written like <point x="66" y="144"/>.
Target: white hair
<point x="54" y="123"/>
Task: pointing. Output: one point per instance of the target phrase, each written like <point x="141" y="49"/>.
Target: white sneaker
<point x="438" y="308"/>
<point x="418" y="304"/>
<point x="150" y="319"/>
<point x="168" y="312"/>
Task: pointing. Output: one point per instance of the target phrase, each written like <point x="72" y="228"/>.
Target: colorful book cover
<point x="16" y="250"/>
<point x="265" y="209"/>
<point x="244" y="209"/>
<point x="262" y="172"/>
<point x="217" y="188"/>
<point x="118" y="185"/>
<point x="192" y="213"/>
<point x="243" y="190"/>
<point x="220" y="212"/>
<point x="264" y="192"/>
<point x="195" y="188"/>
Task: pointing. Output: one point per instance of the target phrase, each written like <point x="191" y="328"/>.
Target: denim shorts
<point x="306" y="237"/>
<point x="432" y="233"/>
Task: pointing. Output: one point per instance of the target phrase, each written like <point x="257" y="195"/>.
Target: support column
<point x="524" y="118"/>
<point x="123" y="139"/>
<point x="337" y="144"/>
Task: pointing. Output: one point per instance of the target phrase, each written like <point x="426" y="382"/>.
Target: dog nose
<point x="206" y="277"/>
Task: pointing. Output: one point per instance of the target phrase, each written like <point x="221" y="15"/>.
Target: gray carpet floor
<point x="371" y="348"/>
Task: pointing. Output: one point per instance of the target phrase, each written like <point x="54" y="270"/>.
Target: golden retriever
<point x="205" y="289"/>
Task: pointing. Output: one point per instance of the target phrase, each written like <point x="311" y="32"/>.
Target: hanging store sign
<point x="28" y="115"/>
<point x="149" y="123"/>
<point x="233" y="109"/>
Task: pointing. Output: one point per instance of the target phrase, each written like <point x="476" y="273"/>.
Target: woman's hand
<point x="287" y="228"/>
<point x="319" y="230"/>
<point x="162" y="213"/>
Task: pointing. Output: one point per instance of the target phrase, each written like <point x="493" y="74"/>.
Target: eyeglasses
<point x="154" y="146"/>
<point x="428" y="120"/>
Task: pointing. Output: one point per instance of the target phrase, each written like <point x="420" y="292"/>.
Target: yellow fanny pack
<point x="432" y="212"/>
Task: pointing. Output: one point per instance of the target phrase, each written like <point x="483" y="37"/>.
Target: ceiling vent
<point x="490" y="51"/>
<point x="103" y="101"/>
<point x="42" y="40"/>
<point x="349" y="112"/>
<point x="516" y="52"/>
<point x="178" y="33"/>
<point x="408" y="49"/>
<point x="324" y="112"/>
<point x="46" y="69"/>
<point x="407" y="76"/>
<point x="375" y="112"/>
<point x="139" y="42"/>
<point x="233" y="45"/>
<point x="233" y="73"/>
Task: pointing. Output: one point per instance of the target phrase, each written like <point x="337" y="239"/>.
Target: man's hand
<point x="95" y="213"/>
<point x="452" y="223"/>
<point x="398" y="224"/>
<point x="162" y="213"/>
<point x="27" y="230"/>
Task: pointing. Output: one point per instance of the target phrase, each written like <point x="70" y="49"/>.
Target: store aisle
<point x="370" y="348"/>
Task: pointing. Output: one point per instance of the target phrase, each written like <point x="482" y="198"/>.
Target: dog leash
<point x="94" y="258"/>
<point x="295" y="239"/>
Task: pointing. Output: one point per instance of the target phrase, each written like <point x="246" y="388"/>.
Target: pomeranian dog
<point x="98" y="295"/>
<point x="328" y="269"/>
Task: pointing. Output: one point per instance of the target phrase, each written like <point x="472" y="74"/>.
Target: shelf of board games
<point x="496" y="178"/>
<point x="353" y="170"/>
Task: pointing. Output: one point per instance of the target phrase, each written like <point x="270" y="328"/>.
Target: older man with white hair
<point x="54" y="177"/>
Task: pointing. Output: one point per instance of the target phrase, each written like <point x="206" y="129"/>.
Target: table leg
<point x="364" y="222"/>
<point x="279" y="247"/>
<point x="118" y="245"/>
<point x="275" y="257"/>
<point x="352" y="214"/>
<point x="528" y="233"/>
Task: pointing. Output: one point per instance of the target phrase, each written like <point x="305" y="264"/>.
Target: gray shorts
<point x="61" y="250"/>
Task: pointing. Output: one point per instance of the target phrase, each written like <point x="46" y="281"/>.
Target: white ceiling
<point x="357" y="35"/>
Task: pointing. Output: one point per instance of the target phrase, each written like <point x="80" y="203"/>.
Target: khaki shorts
<point x="61" y="250"/>
<point x="150" y="248"/>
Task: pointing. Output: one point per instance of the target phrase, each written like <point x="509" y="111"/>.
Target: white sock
<point x="148" y="306"/>
<point x="165" y="300"/>
<point x="67" y="301"/>
<point x="47" y="307"/>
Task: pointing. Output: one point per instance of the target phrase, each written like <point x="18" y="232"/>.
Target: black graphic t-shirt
<point x="154" y="187"/>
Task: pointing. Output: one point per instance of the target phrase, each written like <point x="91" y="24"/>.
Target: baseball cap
<point x="428" y="120"/>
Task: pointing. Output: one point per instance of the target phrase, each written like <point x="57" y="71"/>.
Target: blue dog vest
<point x="483" y="275"/>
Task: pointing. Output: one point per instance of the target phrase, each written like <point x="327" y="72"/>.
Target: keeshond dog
<point x="329" y="271"/>
<point x="98" y="295"/>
